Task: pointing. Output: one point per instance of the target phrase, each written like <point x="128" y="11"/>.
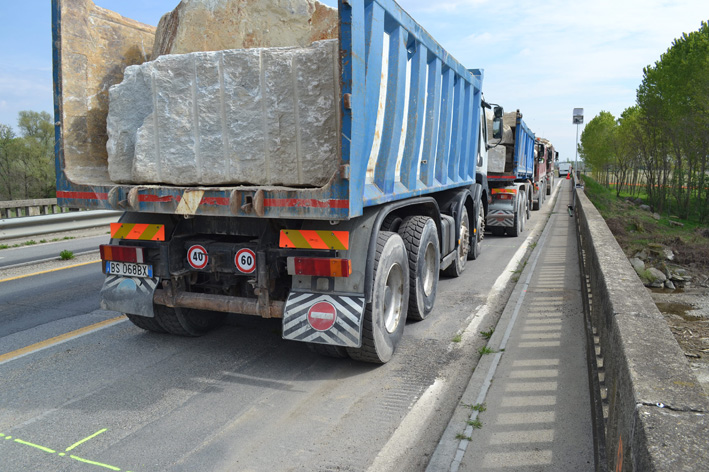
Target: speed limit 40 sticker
<point x="245" y="260"/>
<point x="197" y="256"/>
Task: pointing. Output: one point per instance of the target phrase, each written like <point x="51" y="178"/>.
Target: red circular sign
<point x="322" y="315"/>
<point x="197" y="256"/>
<point x="245" y="260"/>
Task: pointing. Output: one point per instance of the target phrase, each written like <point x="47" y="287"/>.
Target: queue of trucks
<point x="344" y="264"/>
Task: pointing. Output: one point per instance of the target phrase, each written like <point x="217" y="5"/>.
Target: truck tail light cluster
<point x="122" y="253"/>
<point x="504" y="196"/>
<point x="319" y="266"/>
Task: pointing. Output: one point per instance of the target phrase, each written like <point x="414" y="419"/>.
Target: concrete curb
<point x="657" y="410"/>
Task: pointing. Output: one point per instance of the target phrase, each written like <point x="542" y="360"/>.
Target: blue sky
<point x="541" y="57"/>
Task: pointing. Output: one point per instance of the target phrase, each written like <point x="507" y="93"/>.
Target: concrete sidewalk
<point x="529" y="399"/>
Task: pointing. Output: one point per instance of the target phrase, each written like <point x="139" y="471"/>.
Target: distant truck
<point x="564" y="168"/>
<point x="547" y="154"/>
<point x="509" y="174"/>
<point x="343" y="264"/>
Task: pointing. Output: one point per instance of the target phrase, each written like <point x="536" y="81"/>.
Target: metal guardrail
<point x="44" y="224"/>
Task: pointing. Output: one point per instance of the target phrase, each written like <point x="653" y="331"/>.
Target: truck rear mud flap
<point x="335" y="320"/>
<point x="131" y="295"/>
<point x="505" y="218"/>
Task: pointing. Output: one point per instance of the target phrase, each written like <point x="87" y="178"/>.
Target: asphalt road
<point x="239" y="398"/>
<point x="15" y="256"/>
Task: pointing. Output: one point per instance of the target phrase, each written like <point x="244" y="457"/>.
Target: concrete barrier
<point x="657" y="410"/>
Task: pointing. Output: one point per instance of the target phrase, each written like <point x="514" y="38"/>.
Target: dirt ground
<point x="687" y="314"/>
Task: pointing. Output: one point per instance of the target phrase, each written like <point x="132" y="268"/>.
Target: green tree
<point x="598" y="145"/>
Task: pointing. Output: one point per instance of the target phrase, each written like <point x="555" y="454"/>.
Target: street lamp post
<point x="577" y="120"/>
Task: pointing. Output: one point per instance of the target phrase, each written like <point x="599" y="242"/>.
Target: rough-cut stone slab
<point x="212" y="25"/>
<point x="96" y="45"/>
<point x="248" y="116"/>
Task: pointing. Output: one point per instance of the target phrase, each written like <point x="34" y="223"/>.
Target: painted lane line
<point x="62" y="338"/>
<point x="36" y="446"/>
<point x="50" y="270"/>
<point x="85" y="439"/>
<point x="86" y="461"/>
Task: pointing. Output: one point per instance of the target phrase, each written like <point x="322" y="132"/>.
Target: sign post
<point x="577" y="120"/>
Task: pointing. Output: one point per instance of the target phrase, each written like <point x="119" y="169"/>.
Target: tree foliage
<point x="27" y="160"/>
<point x="661" y="143"/>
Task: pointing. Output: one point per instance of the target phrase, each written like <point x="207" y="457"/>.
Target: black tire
<point x="550" y="185"/>
<point x="385" y="316"/>
<point x="458" y="265"/>
<point x="186" y="321"/>
<point x="537" y="203"/>
<point x="392" y="222"/>
<point x="517" y="226"/>
<point x="420" y="237"/>
<point x="478" y="235"/>
<point x="497" y="231"/>
<point x="148" y="324"/>
<point x="325" y="350"/>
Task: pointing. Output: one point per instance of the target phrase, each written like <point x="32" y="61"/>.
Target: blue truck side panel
<point x="409" y="119"/>
<point x="524" y="150"/>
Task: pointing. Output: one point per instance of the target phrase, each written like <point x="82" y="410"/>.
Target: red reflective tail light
<point x="122" y="253"/>
<point x="319" y="266"/>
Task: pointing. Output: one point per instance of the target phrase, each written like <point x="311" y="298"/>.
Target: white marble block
<point x="263" y="116"/>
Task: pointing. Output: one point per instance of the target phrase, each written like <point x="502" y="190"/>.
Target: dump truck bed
<point x="408" y="119"/>
<point x="521" y="165"/>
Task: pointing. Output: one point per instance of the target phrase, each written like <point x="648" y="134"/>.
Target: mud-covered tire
<point x="458" y="265"/>
<point x="420" y="237"/>
<point x="186" y="321"/>
<point x="148" y="324"/>
<point x="325" y="350"/>
<point x="517" y="225"/>
<point x="477" y="236"/>
<point x="385" y="316"/>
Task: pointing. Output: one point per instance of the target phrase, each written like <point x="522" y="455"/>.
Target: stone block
<point x="213" y="25"/>
<point x="264" y="116"/>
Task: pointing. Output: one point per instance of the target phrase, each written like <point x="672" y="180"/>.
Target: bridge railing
<point x="656" y="410"/>
<point x="36" y="207"/>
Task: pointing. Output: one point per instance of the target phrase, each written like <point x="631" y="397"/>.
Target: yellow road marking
<point x="85" y="439"/>
<point x="86" y="461"/>
<point x="59" y="339"/>
<point x="50" y="270"/>
<point x="36" y="446"/>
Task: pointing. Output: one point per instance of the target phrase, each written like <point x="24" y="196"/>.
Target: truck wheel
<point x="476" y="239"/>
<point x="338" y="352"/>
<point x="385" y="315"/>
<point x="497" y="231"/>
<point x="537" y="203"/>
<point x="392" y="222"/>
<point x="550" y="186"/>
<point x="148" y="324"/>
<point x="420" y="237"/>
<point x="458" y="266"/>
<point x="186" y="321"/>
<point x="517" y="226"/>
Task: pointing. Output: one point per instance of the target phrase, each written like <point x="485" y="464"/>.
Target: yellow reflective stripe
<point x="313" y="239"/>
<point x="138" y="231"/>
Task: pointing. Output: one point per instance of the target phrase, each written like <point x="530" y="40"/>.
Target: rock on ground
<point x="250" y="116"/>
<point x="212" y="25"/>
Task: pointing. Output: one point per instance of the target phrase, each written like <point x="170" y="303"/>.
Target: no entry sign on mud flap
<point x="322" y="315"/>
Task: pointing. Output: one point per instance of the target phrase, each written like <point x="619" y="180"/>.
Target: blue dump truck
<point x="509" y="176"/>
<point x="343" y="264"/>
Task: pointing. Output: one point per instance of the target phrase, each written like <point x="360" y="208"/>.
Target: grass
<point x="458" y="338"/>
<point x="479" y="407"/>
<point x="32" y="242"/>
<point x="66" y="255"/>
<point x="634" y="228"/>
<point x="476" y="423"/>
<point x="462" y="436"/>
<point x="485" y="350"/>
<point x="487" y="334"/>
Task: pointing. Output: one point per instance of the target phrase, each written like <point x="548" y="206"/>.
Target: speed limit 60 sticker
<point x="197" y="256"/>
<point x="245" y="260"/>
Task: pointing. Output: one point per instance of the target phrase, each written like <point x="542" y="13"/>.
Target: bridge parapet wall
<point x="657" y="412"/>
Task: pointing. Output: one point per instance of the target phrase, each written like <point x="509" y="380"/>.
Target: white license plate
<point x="129" y="269"/>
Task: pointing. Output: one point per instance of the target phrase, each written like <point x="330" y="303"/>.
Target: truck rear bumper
<point x="221" y="303"/>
